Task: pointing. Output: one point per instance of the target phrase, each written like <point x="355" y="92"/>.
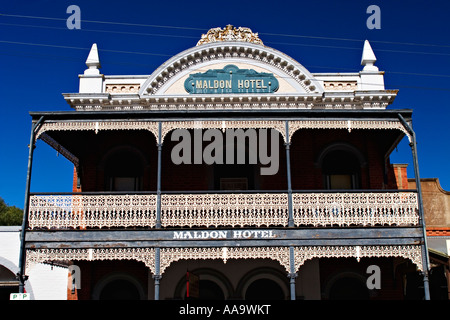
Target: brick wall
<point x="305" y="147"/>
<point x="92" y="273"/>
<point x="401" y="175"/>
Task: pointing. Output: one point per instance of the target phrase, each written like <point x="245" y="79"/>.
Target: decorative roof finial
<point x="368" y="58"/>
<point x="230" y="33"/>
<point x="93" y="61"/>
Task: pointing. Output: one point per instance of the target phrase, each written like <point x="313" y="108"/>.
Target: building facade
<point x="436" y="202"/>
<point x="46" y="281"/>
<point x="233" y="166"/>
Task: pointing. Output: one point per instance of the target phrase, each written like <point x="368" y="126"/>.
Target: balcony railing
<point x="89" y="210"/>
<point x="227" y="209"/>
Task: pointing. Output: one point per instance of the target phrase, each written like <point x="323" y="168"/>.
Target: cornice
<point x="325" y="100"/>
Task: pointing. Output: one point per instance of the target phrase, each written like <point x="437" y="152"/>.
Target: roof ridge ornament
<point x="230" y="33"/>
<point x="368" y="58"/>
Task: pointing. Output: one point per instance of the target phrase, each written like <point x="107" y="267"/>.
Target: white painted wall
<point x="45" y="282"/>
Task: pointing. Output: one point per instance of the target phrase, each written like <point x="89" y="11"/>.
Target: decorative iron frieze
<point x="168" y="256"/>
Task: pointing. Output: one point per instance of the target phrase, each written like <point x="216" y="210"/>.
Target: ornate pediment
<point x="230" y="33"/>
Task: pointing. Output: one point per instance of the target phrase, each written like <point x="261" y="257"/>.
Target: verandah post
<point x="22" y="256"/>
<point x="425" y="259"/>
<point x="288" y="173"/>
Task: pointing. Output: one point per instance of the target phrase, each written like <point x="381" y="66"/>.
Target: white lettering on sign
<point x="224" y="234"/>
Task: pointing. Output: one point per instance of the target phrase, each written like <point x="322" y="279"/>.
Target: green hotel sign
<point x="231" y="79"/>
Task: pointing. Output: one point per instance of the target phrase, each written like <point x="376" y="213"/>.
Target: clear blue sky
<point x="41" y="59"/>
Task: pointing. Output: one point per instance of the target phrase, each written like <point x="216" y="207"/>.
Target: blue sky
<point x="42" y="58"/>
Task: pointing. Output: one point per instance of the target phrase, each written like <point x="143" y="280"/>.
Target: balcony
<point x="223" y="209"/>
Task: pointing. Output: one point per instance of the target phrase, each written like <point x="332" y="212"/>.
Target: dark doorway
<point x="234" y="177"/>
<point x="264" y="289"/>
<point x="120" y="289"/>
<point x="209" y="290"/>
<point x="124" y="171"/>
<point x="349" y="288"/>
<point x="341" y="170"/>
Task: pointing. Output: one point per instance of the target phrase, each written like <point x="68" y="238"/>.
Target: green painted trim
<point x="231" y="79"/>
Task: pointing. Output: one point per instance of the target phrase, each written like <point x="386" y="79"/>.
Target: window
<point x="341" y="170"/>
<point x="124" y="172"/>
<point x="234" y="177"/>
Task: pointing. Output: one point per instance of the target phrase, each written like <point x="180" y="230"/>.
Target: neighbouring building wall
<point x="436" y="202"/>
<point x="9" y="247"/>
<point x="45" y="282"/>
<point x="436" y="205"/>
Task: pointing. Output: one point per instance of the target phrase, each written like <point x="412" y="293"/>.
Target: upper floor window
<point x="124" y="171"/>
<point x="341" y="167"/>
<point x="234" y="177"/>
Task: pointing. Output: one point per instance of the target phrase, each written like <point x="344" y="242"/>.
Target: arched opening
<point x="341" y="166"/>
<point x="341" y="170"/>
<point x="348" y="288"/>
<point x="212" y="285"/>
<point x="209" y="290"/>
<point x="264" y="289"/>
<point x="118" y="286"/>
<point x="267" y="283"/>
<point x="8" y="283"/>
<point x="119" y="289"/>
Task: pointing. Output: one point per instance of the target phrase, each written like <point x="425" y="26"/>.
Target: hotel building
<point x="163" y="208"/>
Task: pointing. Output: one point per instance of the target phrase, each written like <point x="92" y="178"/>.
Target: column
<point x="22" y="255"/>
<point x="158" y="181"/>
<point x="288" y="173"/>
<point x="292" y="274"/>
<point x="157" y="276"/>
<point x="425" y="259"/>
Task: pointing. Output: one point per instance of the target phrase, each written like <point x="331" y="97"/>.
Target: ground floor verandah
<point x="240" y="273"/>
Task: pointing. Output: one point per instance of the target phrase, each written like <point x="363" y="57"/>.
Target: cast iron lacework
<point x="230" y="209"/>
<point x="261" y="209"/>
<point x="345" y="209"/>
<point x="168" y="126"/>
<point x="170" y="255"/>
<point x="89" y="211"/>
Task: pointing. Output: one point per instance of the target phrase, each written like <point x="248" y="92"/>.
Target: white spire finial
<point x="368" y="58"/>
<point x="93" y="61"/>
